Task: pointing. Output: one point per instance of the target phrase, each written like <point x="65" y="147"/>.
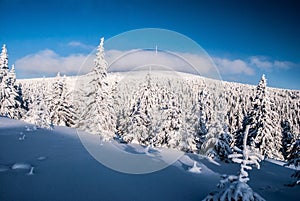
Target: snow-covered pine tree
<point x="60" y="106"/>
<point x="12" y="76"/>
<point x="287" y="139"/>
<point x="188" y="115"/>
<point x="201" y="112"/>
<point x="117" y="104"/>
<point x="294" y="159"/>
<point x="188" y="142"/>
<point x="10" y="99"/>
<point x="38" y="112"/>
<point x="18" y="88"/>
<point x="198" y="119"/>
<point x="264" y="133"/>
<point x="98" y="116"/>
<point x="237" y="114"/>
<point x="53" y="99"/>
<point x="235" y="188"/>
<point x="7" y="99"/>
<point x="294" y="153"/>
<point x="3" y="62"/>
<point x="138" y="127"/>
<point x="12" y="96"/>
<point x="169" y="127"/>
<point x="217" y="140"/>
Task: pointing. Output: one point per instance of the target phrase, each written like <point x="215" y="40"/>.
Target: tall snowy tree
<point x="169" y="126"/>
<point x="138" y="124"/>
<point x="235" y="188"/>
<point x="217" y="140"/>
<point x="38" y="112"/>
<point x="12" y="76"/>
<point x="200" y="120"/>
<point x="3" y="62"/>
<point x="10" y="98"/>
<point x="98" y="116"/>
<point x="60" y="106"/>
<point x="287" y="139"/>
<point x="235" y="115"/>
<point x="265" y="129"/>
<point x="294" y="159"/>
<point x="202" y="108"/>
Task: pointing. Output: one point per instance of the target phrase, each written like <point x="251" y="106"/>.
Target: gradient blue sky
<point x="257" y="36"/>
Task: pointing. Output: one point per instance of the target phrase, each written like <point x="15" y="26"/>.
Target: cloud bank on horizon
<point x="47" y="63"/>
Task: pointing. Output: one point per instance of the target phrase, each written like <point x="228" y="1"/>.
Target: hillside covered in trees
<point x="159" y="109"/>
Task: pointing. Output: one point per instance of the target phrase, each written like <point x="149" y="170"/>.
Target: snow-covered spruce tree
<point x="169" y="130"/>
<point x="235" y="188"/>
<point x="3" y="62"/>
<point x="200" y="110"/>
<point x="10" y="98"/>
<point x="184" y="101"/>
<point x="12" y="76"/>
<point x="265" y="131"/>
<point x="61" y="109"/>
<point x="98" y="115"/>
<point x="38" y="112"/>
<point x="287" y="139"/>
<point x="217" y="140"/>
<point x="294" y="159"/>
<point x="235" y="116"/>
<point x="17" y="87"/>
<point x="140" y="121"/>
<point x="3" y="68"/>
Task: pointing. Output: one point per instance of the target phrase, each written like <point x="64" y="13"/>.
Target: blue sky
<point x="245" y="38"/>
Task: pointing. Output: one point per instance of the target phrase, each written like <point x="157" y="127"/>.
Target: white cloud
<point x="233" y="67"/>
<point x="284" y="64"/>
<point x="265" y="64"/>
<point x="47" y="62"/>
<point x="80" y="45"/>
<point x="261" y="62"/>
<point x="141" y="59"/>
<point x="248" y="66"/>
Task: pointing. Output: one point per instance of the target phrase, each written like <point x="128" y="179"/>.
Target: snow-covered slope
<point x="54" y="165"/>
<point x="167" y="109"/>
<point x="236" y="96"/>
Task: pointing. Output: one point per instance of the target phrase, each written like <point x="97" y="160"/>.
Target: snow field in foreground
<point x="53" y="165"/>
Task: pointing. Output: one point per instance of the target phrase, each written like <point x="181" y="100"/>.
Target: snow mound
<point x="195" y="169"/>
<point x="187" y="163"/>
<point x="21" y="166"/>
<point x="41" y="158"/>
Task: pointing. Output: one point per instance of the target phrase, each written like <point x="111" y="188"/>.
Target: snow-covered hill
<point x="235" y="95"/>
<point x="54" y="165"/>
<point x="140" y="106"/>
